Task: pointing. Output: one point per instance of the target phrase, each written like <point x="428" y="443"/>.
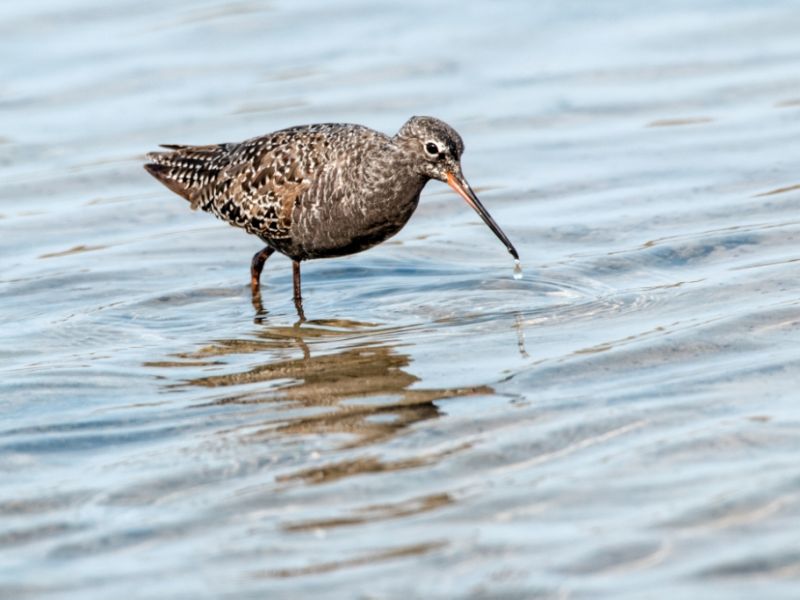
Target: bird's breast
<point x="333" y="222"/>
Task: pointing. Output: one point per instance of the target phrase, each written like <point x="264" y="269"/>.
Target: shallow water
<point x="622" y="422"/>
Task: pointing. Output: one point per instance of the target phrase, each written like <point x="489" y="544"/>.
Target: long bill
<point x="460" y="185"/>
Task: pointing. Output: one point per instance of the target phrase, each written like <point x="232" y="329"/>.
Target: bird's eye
<point x="431" y="148"/>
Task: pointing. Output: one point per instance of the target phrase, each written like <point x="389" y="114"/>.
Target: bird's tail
<point x="188" y="170"/>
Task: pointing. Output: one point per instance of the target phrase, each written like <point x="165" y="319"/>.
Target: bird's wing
<point x="263" y="181"/>
<point x="255" y="184"/>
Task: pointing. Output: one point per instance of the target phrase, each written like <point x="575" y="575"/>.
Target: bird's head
<point x="434" y="150"/>
<point x="433" y="145"/>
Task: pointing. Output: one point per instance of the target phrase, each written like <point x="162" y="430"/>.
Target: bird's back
<point x="256" y="184"/>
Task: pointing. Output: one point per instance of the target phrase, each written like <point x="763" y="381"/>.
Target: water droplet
<point x="517" y="270"/>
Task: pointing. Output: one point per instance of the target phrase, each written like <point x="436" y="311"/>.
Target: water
<point x="621" y="423"/>
<point x="517" y="273"/>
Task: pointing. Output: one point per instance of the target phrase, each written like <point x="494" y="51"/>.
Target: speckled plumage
<point x="317" y="191"/>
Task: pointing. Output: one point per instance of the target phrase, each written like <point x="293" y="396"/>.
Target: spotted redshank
<point x="318" y="191"/>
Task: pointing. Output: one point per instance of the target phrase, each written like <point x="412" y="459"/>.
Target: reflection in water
<point x="372" y="558"/>
<point x="334" y="379"/>
<point x="258" y="305"/>
<point x="373" y="513"/>
<point x="519" y="327"/>
<point x="340" y="361"/>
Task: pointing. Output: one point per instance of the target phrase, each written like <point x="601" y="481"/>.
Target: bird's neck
<point x="383" y="192"/>
<point x="390" y="176"/>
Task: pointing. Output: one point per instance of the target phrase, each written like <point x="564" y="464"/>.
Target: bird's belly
<point x="343" y="232"/>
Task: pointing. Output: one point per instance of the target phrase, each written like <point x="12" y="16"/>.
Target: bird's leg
<point x="257" y="264"/>
<point x="258" y="305"/>
<point x="298" y="298"/>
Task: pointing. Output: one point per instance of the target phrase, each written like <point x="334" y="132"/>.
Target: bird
<point x="321" y="190"/>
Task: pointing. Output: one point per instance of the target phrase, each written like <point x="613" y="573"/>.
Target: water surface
<point x="621" y="423"/>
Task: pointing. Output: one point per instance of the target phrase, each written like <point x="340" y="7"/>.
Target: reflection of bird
<point x="318" y="191"/>
<point x="357" y="383"/>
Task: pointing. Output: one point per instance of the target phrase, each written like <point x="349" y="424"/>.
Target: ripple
<point x="372" y="558"/>
<point x="371" y="514"/>
<point x="615" y="424"/>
